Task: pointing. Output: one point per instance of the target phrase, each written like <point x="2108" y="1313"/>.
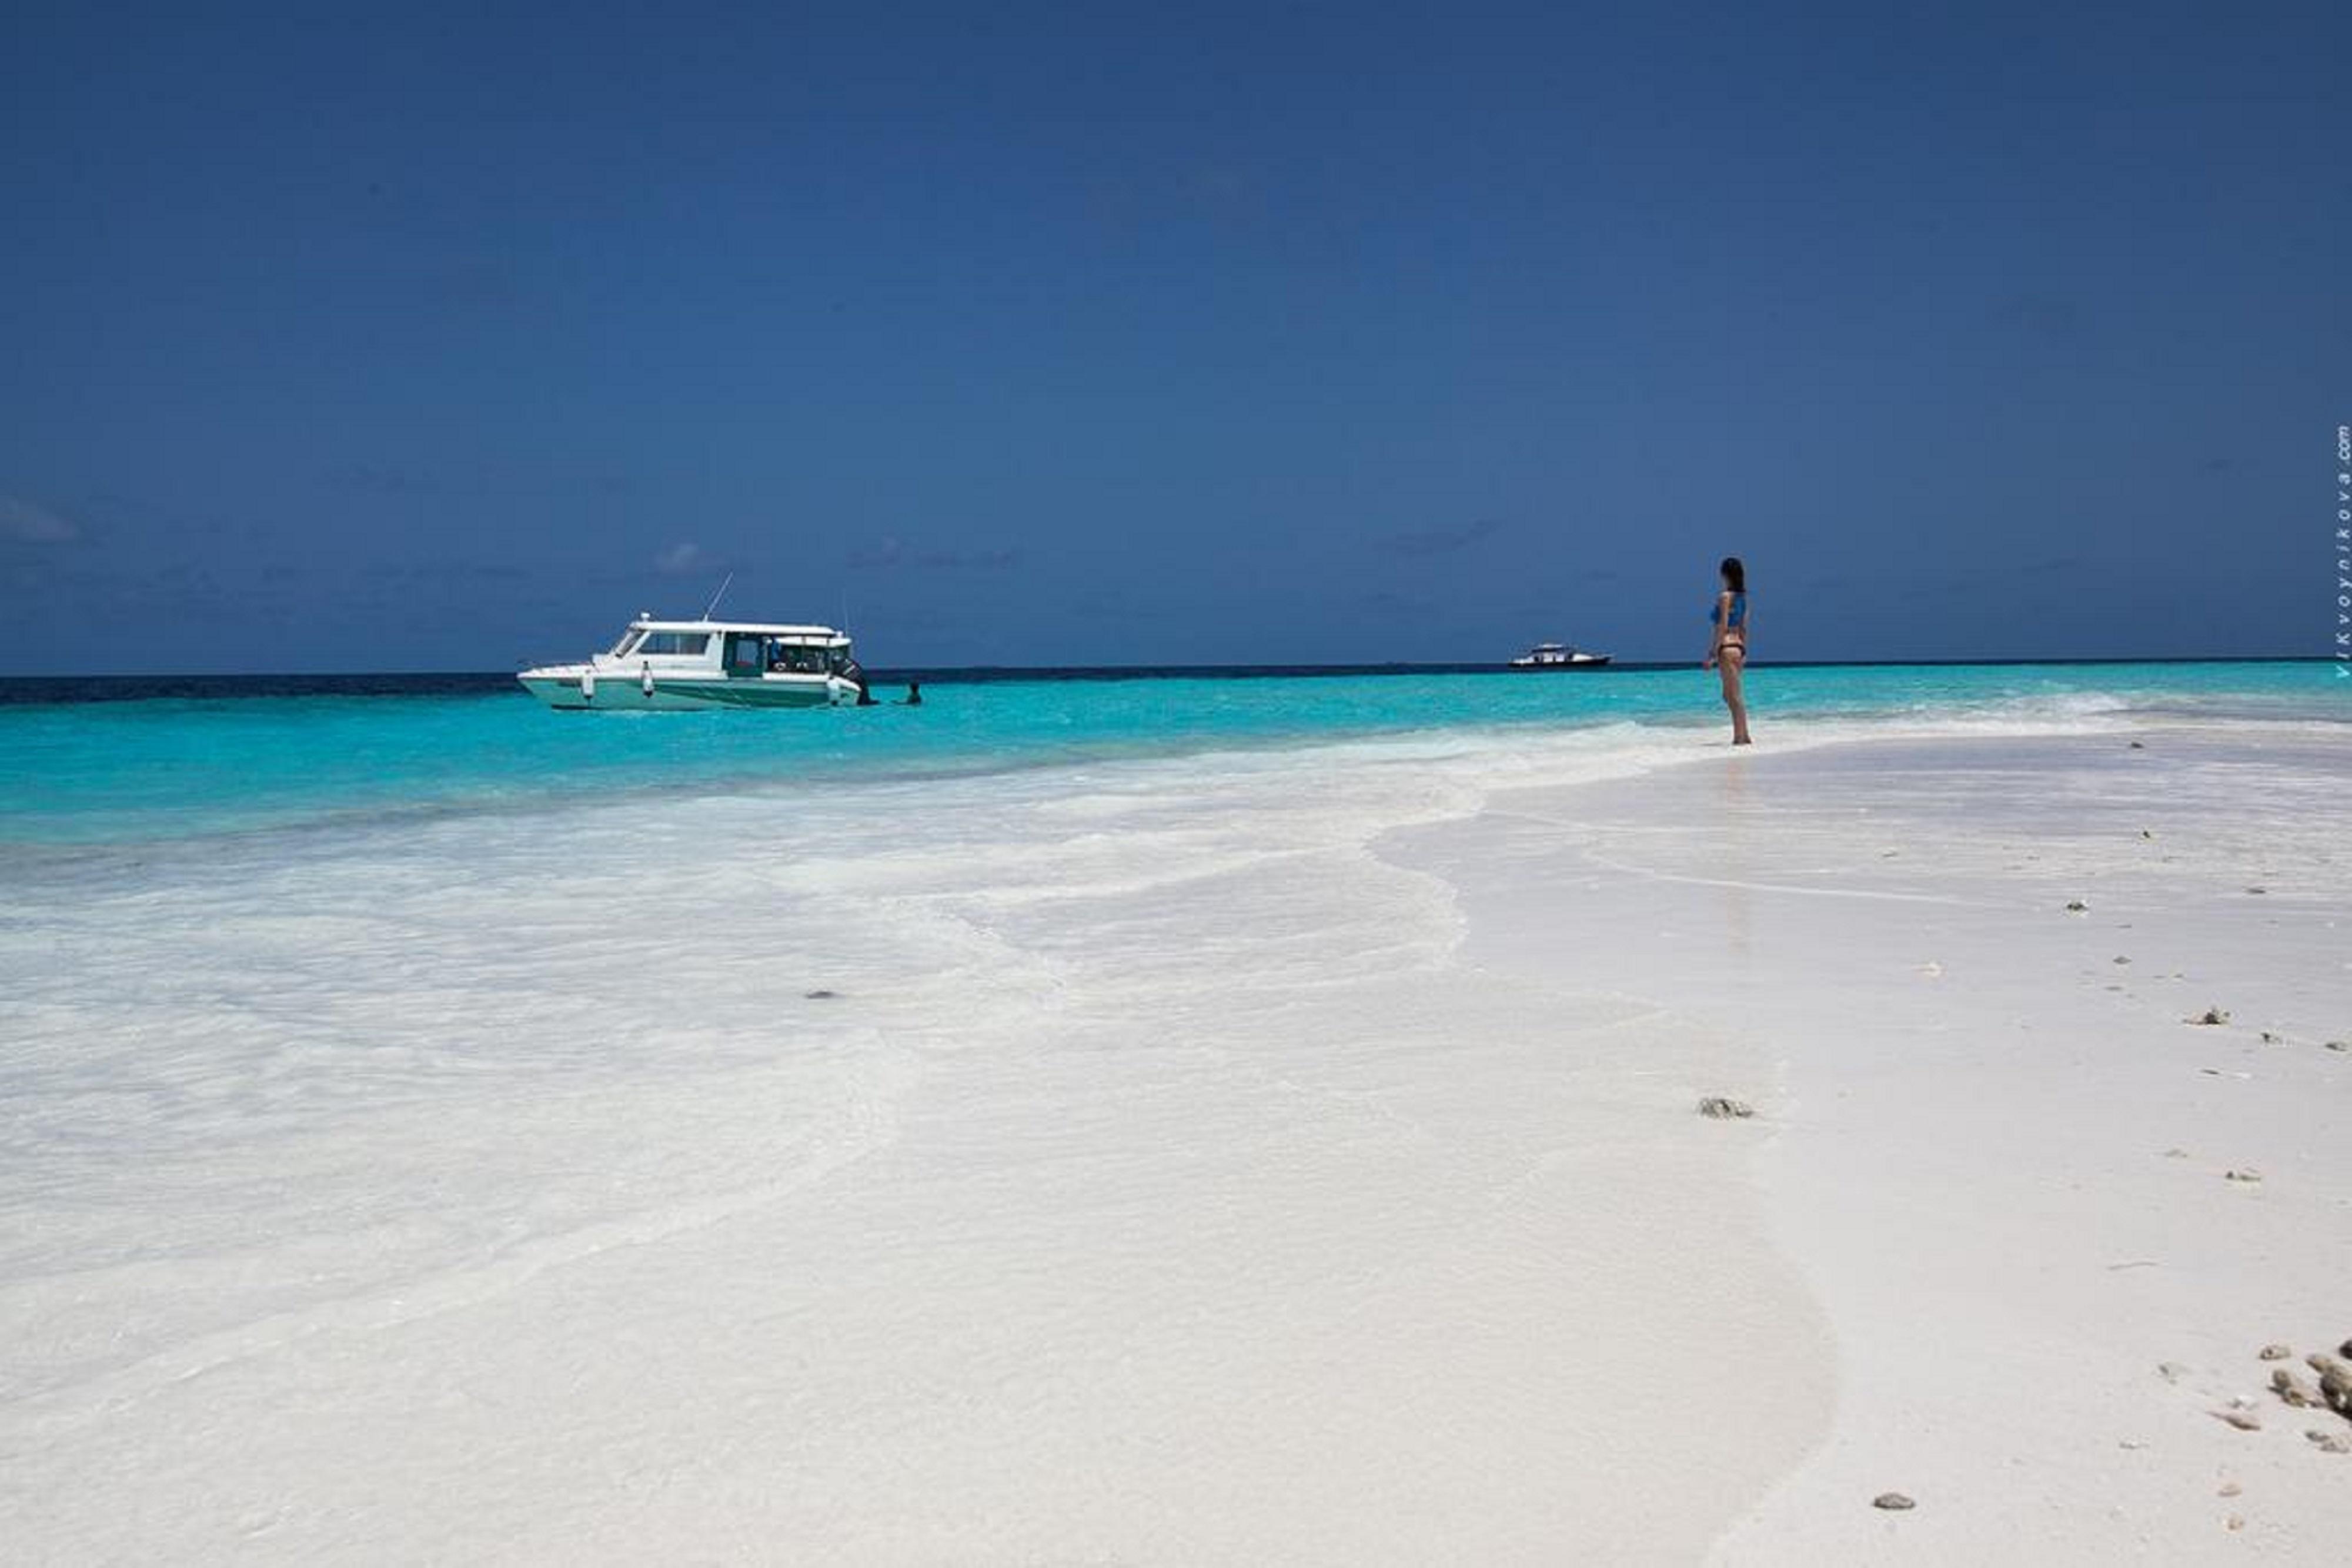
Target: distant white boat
<point x="679" y="664"/>
<point x="1557" y="656"/>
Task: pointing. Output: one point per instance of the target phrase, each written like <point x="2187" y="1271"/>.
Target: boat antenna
<point x="717" y="597"/>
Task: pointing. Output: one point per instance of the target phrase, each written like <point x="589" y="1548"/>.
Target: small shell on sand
<point x="2246" y="1174"/>
<point x="2076" y="906"/>
<point x="1722" y="1108"/>
<point x="2210" y="1016"/>
<point x="2276" y="1352"/>
<point x="2294" y="1390"/>
<point x="2228" y="1489"/>
<point x="2243" y="1420"/>
<point x="1891" y="1501"/>
<point x="2328" y="1442"/>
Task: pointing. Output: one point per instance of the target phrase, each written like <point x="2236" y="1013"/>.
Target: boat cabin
<point x="733" y="648"/>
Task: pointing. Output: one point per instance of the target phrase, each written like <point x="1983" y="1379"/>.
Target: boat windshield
<point x="691" y="643"/>
<point x="628" y="640"/>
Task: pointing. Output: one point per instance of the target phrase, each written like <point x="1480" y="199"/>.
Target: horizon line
<point x="1246" y="669"/>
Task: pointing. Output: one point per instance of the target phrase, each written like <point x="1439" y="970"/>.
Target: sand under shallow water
<point x="1275" y="1157"/>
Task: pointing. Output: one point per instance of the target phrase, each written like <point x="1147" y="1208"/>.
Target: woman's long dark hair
<point x="1735" y="574"/>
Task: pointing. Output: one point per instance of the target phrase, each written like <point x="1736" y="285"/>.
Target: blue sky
<point x="428" y="338"/>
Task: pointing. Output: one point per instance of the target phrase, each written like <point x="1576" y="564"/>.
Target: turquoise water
<point x="100" y="772"/>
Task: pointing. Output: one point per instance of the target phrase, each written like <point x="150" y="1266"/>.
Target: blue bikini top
<point x="1739" y="612"/>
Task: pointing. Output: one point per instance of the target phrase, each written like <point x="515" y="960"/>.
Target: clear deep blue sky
<point x="415" y="339"/>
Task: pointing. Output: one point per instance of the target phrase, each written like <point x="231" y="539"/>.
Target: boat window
<point x="795" y="657"/>
<point x="692" y="644"/>
<point x="627" y="644"/>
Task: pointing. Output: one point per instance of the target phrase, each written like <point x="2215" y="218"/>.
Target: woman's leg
<point x="1733" y="665"/>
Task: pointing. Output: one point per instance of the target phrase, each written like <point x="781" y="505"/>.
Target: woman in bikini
<point x="1729" y="650"/>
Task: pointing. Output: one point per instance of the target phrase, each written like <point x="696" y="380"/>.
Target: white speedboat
<point x="669" y="664"/>
<point x="1557" y="656"/>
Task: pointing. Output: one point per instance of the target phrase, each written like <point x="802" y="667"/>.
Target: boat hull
<point x="1600" y="664"/>
<point x="682" y="694"/>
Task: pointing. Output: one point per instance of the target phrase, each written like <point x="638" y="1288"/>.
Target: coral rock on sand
<point x="1891" y="1501"/>
<point x="2334" y="1382"/>
<point x="2341" y="1045"/>
<point x="2294" y="1390"/>
<point x="2210" y="1016"/>
<point x="2246" y="1174"/>
<point x="2243" y="1420"/>
<point x="2076" y="906"/>
<point x="1720" y="1108"/>
<point x="2275" y="1351"/>
<point x="2329" y="1442"/>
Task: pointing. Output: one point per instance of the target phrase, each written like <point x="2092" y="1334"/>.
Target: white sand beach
<point x="1284" y="1158"/>
<point x="1987" y="1138"/>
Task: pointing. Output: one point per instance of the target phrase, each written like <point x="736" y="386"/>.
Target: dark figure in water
<point x="1727" y="650"/>
<point x="914" y="694"/>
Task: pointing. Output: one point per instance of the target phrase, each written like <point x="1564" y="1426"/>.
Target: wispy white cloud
<point x="682" y="559"/>
<point x="891" y="553"/>
<point x="25" y="523"/>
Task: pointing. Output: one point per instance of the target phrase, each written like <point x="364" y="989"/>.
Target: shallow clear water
<point x="97" y="772"/>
